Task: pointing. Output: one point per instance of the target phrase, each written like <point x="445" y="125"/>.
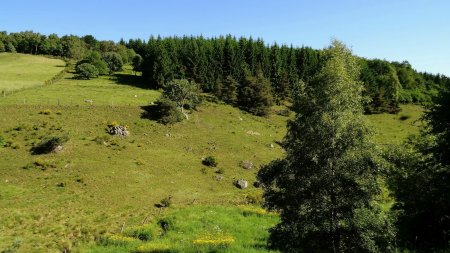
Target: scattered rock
<point x="89" y="101"/>
<point x="246" y="165"/>
<point x="241" y="183"/>
<point x="118" y="130"/>
<point x="250" y="132"/>
<point x="58" y="149"/>
<point x="167" y="135"/>
<point x="218" y="177"/>
<point x="271" y="145"/>
<point x="240" y="118"/>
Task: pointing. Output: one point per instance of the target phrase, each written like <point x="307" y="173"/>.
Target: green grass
<point x="107" y="185"/>
<point x="395" y="128"/>
<point x="195" y="229"/>
<point x="20" y="71"/>
<point x="100" y="182"/>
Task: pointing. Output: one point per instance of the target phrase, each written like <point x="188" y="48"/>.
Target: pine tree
<point x="255" y="95"/>
<point x="227" y="90"/>
<point x="325" y="187"/>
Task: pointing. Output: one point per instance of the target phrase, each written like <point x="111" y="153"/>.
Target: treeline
<point x="231" y="68"/>
<point x="68" y="46"/>
<point x="214" y="62"/>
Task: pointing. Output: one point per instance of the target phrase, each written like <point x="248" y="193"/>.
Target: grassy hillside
<point x="111" y="180"/>
<point x="100" y="183"/>
<point x="20" y="71"/>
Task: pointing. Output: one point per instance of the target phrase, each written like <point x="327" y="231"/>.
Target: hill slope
<point x="100" y="182"/>
<point x="20" y="71"/>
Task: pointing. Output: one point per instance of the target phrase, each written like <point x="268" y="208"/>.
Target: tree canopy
<point x="326" y="185"/>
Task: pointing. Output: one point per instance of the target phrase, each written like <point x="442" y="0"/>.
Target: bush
<point x="167" y="112"/>
<point x="49" y="144"/>
<point x="143" y="233"/>
<point x="86" y="71"/>
<point x="2" y="141"/>
<point x="210" y="161"/>
<point x="254" y="198"/>
<point x="46" y="112"/>
<point x="166" y="202"/>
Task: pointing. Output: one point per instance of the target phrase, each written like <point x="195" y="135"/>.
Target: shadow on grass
<point x="132" y="80"/>
<point x="150" y="112"/>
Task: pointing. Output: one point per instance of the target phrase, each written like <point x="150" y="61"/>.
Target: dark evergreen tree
<point x="227" y="90"/>
<point x="255" y="95"/>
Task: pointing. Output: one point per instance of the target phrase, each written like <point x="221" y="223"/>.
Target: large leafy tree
<point x="183" y="93"/>
<point x="325" y="187"/>
<point x="114" y="61"/>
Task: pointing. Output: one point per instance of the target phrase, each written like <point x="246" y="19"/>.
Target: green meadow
<point x="19" y="71"/>
<point x="101" y="190"/>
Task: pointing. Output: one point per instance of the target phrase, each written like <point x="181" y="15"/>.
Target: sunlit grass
<point x="20" y="71"/>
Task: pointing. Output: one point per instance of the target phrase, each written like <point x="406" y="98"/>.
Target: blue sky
<point x="413" y="30"/>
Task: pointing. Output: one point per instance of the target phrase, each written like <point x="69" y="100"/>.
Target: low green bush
<point x="2" y="141"/>
<point x="210" y="161"/>
<point x="167" y="112"/>
<point x="49" y="144"/>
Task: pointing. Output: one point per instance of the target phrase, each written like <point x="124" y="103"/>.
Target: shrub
<point x="46" y="112"/>
<point x="2" y="141"/>
<point x="49" y="144"/>
<point x="12" y="144"/>
<point x="117" y="240"/>
<point x="143" y="233"/>
<point x="42" y="164"/>
<point x="153" y="248"/>
<point x="214" y="240"/>
<point x="210" y="161"/>
<point x="86" y="71"/>
<point x="167" y="112"/>
<point x="166" y="202"/>
<point x="284" y="113"/>
<point x="254" y="198"/>
<point x="102" y="140"/>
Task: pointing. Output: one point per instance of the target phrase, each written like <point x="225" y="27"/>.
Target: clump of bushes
<point x="49" y="144"/>
<point x="167" y="112"/>
<point x="143" y="233"/>
<point x="46" y="112"/>
<point x="254" y="198"/>
<point x="86" y="71"/>
<point x="210" y="161"/>
<point x="12" y="144"/>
